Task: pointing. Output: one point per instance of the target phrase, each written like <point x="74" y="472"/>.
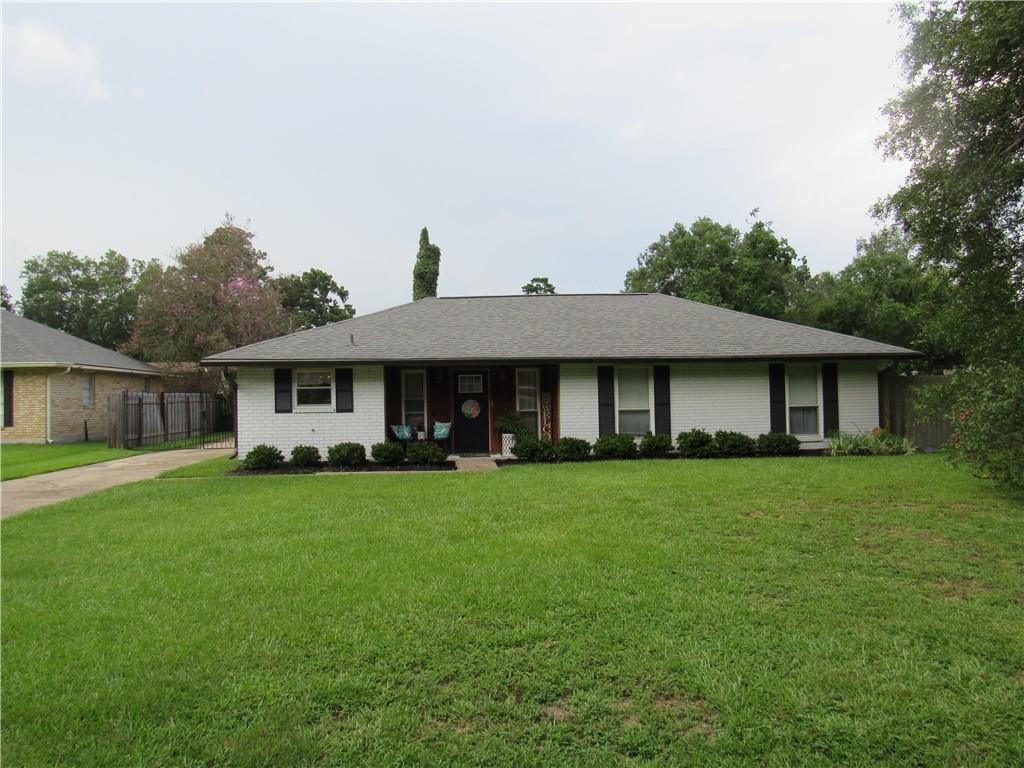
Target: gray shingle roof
<point x="563" y="327"/>
<point x="26" y="342"/>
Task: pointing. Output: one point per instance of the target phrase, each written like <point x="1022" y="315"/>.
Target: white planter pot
<point x="508" y="443"/>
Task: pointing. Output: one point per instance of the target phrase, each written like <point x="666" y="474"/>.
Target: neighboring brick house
<point x="55" y="385"/>
<point x="570" y="365"/>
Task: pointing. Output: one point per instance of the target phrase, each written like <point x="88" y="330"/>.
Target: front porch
<point x="474" y="400"/>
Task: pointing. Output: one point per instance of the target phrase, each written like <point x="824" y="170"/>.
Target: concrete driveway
<point x="23" y="494"/>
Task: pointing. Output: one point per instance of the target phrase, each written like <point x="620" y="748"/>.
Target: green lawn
<point x="811" y="611"/>
<point x="21" y="460"/>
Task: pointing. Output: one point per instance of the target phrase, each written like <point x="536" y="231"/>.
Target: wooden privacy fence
<point x="169" y="420"/>
<point x="896" y="395"/>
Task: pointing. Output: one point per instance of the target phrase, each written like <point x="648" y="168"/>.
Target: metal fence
<point x="896" y="395"/>
<point x="169" y="420"/>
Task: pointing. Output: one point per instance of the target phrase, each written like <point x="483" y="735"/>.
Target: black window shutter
<point x="282" y="390"/>
<point x="605" y="400"/>
<point x="343" y="390"/>
<point x="8" y="398"/>
<point x="662" y="401"/>
<point x="830" y="397"/>
<point x="777" y="396"/>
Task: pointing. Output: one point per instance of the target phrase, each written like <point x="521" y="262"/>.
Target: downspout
<point x="49" y="419"/>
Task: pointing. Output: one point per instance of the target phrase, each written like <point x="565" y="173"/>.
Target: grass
<point x="22" y="460"/>
<point x="209" y="468"/>
<point x="811" y="611"/>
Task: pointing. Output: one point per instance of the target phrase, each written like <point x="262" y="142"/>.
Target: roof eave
<point x="292" y="362"/>
<point x="149" y="371"/>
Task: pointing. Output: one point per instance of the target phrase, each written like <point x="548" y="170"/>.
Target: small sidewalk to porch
<point x="475" y="464"/>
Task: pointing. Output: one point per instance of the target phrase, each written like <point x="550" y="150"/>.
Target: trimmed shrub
<point x="529" y="447"/>
<point x="262" y="456"/>
<point x="732" y="444"/>
<point x="346" y="455"/>
<point x="654" y="446"/>
<point x="305" y="456"/>
<point x="425" y="453"/>
<point x="695" y="444"/>
<point x="778" y="444"/>
<point x="388" y="453"/>
<point x="615" y="447"/>
<point x="572" y="449"/>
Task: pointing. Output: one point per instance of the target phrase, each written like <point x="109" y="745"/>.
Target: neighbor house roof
<point x="25" y="343"/>
<point x="616" y="326"/>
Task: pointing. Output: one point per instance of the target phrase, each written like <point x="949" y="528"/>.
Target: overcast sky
<point x="555" y="140"/>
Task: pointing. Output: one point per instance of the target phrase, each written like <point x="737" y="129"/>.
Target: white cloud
<point x="138" y="92"/>
<point x="40" y="53"/>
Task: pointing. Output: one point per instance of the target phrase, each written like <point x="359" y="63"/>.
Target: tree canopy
<point x="216" y="296"/>
<point x="754" y="271"/>
<point x="959" y="122"/>
<point x="887" y="293"/>
<point x="313" y="299"/>
<point x="538" y="286"/>
<point x="427" y="268"/>
<point x="93" y="299"/>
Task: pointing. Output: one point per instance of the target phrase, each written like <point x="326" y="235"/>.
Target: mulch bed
<point x="324" y="468"/>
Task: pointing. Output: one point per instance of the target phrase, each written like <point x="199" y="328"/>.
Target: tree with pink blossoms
<point x="217" y="295"/>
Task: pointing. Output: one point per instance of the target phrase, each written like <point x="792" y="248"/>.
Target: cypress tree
<point x="427" y="268"/>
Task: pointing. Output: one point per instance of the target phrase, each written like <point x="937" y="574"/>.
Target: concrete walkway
<point x="23" y="494"/>
<point x="476" y="464"/>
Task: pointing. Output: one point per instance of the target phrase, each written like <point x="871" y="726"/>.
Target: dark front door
<point x="471" y="421"/>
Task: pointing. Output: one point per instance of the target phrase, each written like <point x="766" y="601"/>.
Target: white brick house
<point x="569" y="365"/>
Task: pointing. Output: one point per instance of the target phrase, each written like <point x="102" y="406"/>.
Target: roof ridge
<point x="543" y="295"/>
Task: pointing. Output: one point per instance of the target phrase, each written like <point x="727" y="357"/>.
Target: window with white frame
<point x="803" y="399"/>
<point x="88" y="389"/>
<point x="314" y="388"/>
<point x="414" y="399"/>
<point x="634" y="400"/>
<point x="528" y="397"/>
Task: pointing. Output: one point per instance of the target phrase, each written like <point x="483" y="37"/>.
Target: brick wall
<point x="29" y="407"/>
<point x="322" y="427"/>
<point x="714" y="396"/>
<point x="577" y="405"/>
<point x="858" y="396"/>
<point x="70" y="412"/>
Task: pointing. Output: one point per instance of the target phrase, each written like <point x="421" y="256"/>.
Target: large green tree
<point x="94" y="299"/>
<point x="427" y="268"/>
<point x="887" y="293"/>
<point x="313" y="299"/>
<point x="959" y="122"/>
<point x="754" y="271"/>
<point x="217" y="295"/>
<point x="5" y="299"/>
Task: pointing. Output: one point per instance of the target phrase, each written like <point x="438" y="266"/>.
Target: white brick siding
<point x="257" y="422"/>
<point x="713" y="396"/>
<point x="858" y="396"/>
<point x="577" y="401"/>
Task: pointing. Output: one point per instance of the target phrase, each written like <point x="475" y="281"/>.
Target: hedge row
<point x="345" y="455"/>
<point x="695" y="444"/>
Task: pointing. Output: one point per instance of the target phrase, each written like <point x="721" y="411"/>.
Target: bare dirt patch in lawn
<point x="561" y="711"/>
<point x="960" y="588"/>
<point x="697" y="716"/>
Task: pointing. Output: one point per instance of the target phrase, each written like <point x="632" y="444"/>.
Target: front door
<point x="471" y="427"/>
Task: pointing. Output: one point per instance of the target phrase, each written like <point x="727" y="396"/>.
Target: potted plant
<point x="509" y="426"/>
